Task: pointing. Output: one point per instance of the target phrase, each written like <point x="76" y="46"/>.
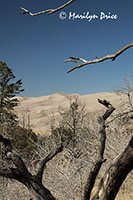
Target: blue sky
<point x="36" y="47"/>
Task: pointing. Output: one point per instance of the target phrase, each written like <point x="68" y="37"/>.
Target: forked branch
<point x="83" y="62"/>
<point x="21" y="173"/>
<point x="49" y="11"/>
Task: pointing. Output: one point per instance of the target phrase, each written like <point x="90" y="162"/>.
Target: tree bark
<point x="22" y="174"/>
<point x="118" y="170"/>
<point x="116" y="174"/>
<point x="100" y="160"/>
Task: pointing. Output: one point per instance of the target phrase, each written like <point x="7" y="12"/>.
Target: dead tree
<point x="21" y="173"/>
<point x="122" y="165"/>
<point x="117" y="171"/>
<point x="116" y="174"/>
<point x="109" y="184"/>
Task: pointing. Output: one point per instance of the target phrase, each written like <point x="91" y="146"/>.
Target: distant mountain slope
<point x="39" y="110"/>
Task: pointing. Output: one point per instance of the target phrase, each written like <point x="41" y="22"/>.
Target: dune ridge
<point x="41" y="109"/>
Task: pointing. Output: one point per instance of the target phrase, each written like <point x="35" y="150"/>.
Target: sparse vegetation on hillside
<point x="70" y="169"/>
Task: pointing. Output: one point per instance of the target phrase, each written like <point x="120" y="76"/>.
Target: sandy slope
<point x="42" y="109"/>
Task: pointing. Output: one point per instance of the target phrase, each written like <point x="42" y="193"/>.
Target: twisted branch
<point x="100" y="160"/>
<point x="39" y="174"/>
<point x="84" y="62"/>
<point x="49" y="11"/>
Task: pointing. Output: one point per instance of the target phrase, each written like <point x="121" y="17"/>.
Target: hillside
<point x="40" y="110"/>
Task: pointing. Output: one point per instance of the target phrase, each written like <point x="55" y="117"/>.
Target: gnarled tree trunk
<point x="118" y="170"/>
<point x="116" y="174"/>
<point x="22" y="174"/>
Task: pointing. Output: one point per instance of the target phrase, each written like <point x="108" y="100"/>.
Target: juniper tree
<point x="8" y="91"/>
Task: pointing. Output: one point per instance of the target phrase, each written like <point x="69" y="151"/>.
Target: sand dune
<point x="39" y="110"/>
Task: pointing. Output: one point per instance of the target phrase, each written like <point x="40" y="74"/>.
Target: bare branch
<point x="21" y="173"/>
<point x="100" y="160"/>
<point x="61" y="7"/>
<point x="109" y="106"/>
<point x="9" y="173"/>
<point x="58" y="149"/>
<point x="84" y="62"/>
<point x="49" y="11"/>
<point x="104" y="102"/>
<point x="18" y="162"/>
<point x="25" y="11"/>
<point x="127" y="89"/>
<point x="81" y="59"/>
<point x="118" y="116"/>
<point x="7" y="144"/>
